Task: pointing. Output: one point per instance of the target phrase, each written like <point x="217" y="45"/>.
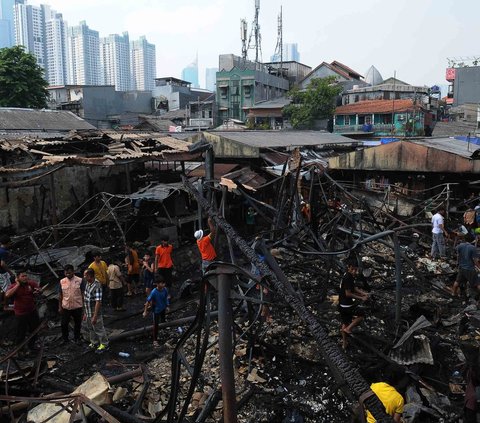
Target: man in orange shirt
<point x="133" y="269"/>
<point x="163" y="260"/>
<point x="70" y="303"/>
<point x="205" y="245"/>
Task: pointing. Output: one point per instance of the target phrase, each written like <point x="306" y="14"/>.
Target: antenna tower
<point x="278" y="54"/>
<point x="255" y="36"/>
<point x="243" y="37"/>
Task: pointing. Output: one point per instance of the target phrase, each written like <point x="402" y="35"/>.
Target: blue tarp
<point x="473" y="140"/>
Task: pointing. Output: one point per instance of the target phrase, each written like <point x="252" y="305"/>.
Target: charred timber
<point x="334" y="357"/>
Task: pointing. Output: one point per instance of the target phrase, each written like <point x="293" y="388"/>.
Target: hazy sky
<point x="413" y="37"/>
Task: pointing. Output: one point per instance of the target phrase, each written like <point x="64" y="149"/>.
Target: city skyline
<point x="359" y="34"/>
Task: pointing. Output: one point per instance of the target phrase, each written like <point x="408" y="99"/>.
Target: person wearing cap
<point x="163" y="260"/>
<point x="205" y="246"/>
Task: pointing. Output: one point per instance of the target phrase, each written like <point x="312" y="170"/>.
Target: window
<point x="247" y="91"/>
<point x="223" y="92"/>
<point x="346" y="120"/>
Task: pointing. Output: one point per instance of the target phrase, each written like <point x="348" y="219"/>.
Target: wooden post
<point x="53" y="206"/>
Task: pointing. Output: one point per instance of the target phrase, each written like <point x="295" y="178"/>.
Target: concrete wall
<point x="225" y="148"/>
<point x="21" y="208"/>
<point x="466" y="87"/>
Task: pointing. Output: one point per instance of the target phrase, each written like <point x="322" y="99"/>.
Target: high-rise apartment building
<point x="30" y="30"/>
<point x="115" y="61"/>
<point x="43" y="33"/>
<point x="143" y="64"/>
<point x="84" y="55"/>
<point x="211" y="78"/>
<point x="7" y="25"/>
<point x="190" y="73"/>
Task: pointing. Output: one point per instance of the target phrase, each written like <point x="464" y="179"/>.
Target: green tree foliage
<point x="317" y="101"/>
<point x="21" y="80"/>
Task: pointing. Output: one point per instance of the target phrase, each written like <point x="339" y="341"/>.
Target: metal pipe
<point x="398" y="279"/>
<point x="225" y="347"/>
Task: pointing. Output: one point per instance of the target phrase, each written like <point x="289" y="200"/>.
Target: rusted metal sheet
<point x="405" y="156"/>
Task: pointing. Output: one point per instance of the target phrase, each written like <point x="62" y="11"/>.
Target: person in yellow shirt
<point x="389" y="396"/>
<point x="101" y="275"/>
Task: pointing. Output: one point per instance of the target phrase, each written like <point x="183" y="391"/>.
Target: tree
<point x="317" y="101"/>
<point x="21" y="80"/>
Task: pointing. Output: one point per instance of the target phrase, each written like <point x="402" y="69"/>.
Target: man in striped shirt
<point x="92" y="303"/>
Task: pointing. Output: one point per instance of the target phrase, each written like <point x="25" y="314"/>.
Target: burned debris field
<point x="253" y="333"/>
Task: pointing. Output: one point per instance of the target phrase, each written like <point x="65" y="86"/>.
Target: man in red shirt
<point x="22" y="291"/>
<point x="163" y="260"/>
<point x="205" y="246"/>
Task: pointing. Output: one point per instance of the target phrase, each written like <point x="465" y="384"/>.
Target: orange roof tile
<point x="376" y="106"/>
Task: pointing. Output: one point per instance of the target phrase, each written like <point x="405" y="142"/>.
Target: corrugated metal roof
<point x="13" y="119"/>
<point x="450" y="145"/>
<point x="272" y="139"/>
<point x="219" y="170"/>
<point x="272" y="104"/>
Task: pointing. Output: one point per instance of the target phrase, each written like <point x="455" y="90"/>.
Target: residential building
<point x="241" y="84"/>
<point x="7" y="23"/>
<point x="373" y="76"/>
<point x="30" y="30"/>
<point x="210" y="78"/>
<point x="190" y="73"/>
<point x="171" y="94"/>
<point x="382" y="117"/>
<point x="101" y="106"/>
<point x="143" y="64"/>
<point x="56" y="53"/>
<point x="115" y="61"/>
<point x="289" y="53"/>
<point x="464" y="85"/>
<point x="84" y="55"/>
<point x="293" y="71"/>
<point x="344" y="75"/>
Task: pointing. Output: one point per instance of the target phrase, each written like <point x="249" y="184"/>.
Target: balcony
<point x="377" y="128"/>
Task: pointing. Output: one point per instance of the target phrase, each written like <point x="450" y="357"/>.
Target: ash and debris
<point x="280" y="372"/>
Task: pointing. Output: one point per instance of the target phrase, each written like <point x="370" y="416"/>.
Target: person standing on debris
<point x="350" y="315"/>
<point x="92" y="305"/>
<point x="158" y="301"/>
<point x="163" y="260"/>
<point x="116" y="282"/>
<point x="468" y="261"/>
<point x="101" y="275"/>
<point x="305" y="210"/>
<point x="148" y="273"/>
<point x="22" y="291"/>
<point x="205" y="245"/>
<point x="133" y="269"/>
<point x="438" y="234"/>
<point x="5" y="273"/>
<point x="70" y="303"/>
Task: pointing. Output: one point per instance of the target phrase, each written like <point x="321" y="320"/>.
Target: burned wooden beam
<point x="334" y="357"/>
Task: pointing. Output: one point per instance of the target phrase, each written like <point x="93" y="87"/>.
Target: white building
<point x="115" y="61"/>
<point x="29" y="30"/>
<point x="56" y="53"/>
<point x="43" y="33"/>
<point x="143" y="64"/>
<point x="84" y="56"/>
<point x="211" y="79"/>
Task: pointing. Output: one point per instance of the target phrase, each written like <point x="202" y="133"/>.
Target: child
<point x="148" y="273"/>
<point x="160" y="301"/>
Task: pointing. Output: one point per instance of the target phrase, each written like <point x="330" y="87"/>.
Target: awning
<point x="246" y="176"/>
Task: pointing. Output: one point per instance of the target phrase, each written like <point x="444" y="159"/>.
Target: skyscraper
<point x="115" y="61"/>
<point x="143" y="64"/>
<point x="56" y="54"/>
<point x="290" y="53"/>
<point x="30" y="30"/>
<point x="84" y="55"/>
<point x="211" y="78"/>
<point x="7" y="26"/>
<point x="190" y="73"/>
<point x="43" y="33"/>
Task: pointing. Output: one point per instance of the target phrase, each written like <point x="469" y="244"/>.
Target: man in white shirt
<point x="438" y="234"/>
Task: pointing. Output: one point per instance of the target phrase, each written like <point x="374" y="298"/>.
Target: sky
<point x="412" y="37"/>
